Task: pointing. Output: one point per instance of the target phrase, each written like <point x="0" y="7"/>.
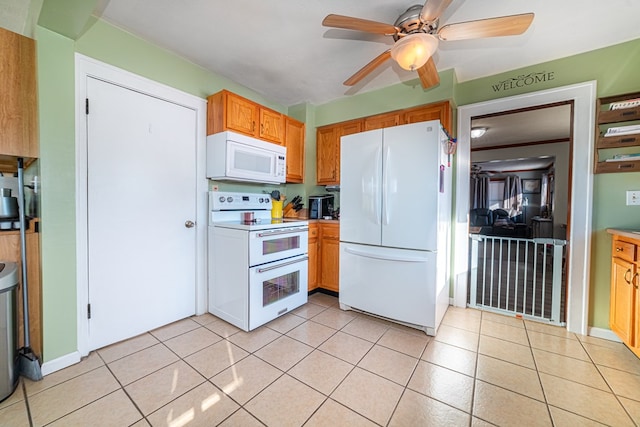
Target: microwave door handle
<point x="273" y="267"/>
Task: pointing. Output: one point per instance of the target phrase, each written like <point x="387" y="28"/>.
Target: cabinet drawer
<point x="330" y="231"/>
<point x="624" y="250"/>
<point x="313" y="230"/>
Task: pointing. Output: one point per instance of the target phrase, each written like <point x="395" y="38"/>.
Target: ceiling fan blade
<point x="350" y="23"/>
<point x="429" y="74"/>
<point x="511" y="25"/>
<point x="432" y="9"/>
<point x="364" y="71"/>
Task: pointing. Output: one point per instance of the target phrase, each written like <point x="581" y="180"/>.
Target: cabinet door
<point x="271" y="126"/>
<point x="18" y="115"/>
<point x="438" y="111"/>
<point x="382" y="121"/>
<point x="326" y="154"/>
<point x="294" y="137"/>
<point x="241" y="115"/>
<point x="313" y="255"/>
<point x="330" y="256"/>
<point x="622" y="299"/>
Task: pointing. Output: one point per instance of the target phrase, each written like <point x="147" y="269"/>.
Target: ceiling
<point x="280" y="49"/>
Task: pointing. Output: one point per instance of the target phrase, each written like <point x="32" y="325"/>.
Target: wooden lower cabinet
<point x="313" y="255"/>
<point x="329" y="268"/>
<point x="624" y="306"/>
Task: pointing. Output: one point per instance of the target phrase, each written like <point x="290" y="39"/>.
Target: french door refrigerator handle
<point x="385" y="182"/>
<point x="384" y="257"/>
<point x="378" y="188"/>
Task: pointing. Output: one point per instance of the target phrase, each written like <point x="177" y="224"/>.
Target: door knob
<point x="189" y="224"/>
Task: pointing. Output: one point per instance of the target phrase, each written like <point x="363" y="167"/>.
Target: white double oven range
<point x="257" y="268"/>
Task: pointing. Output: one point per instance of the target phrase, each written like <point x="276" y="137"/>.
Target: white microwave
<point x="235" y="157"/>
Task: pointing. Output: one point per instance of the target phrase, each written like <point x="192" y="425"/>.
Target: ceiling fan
<point x="416" y="33"/>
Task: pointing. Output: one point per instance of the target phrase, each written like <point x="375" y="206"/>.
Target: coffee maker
<point x="321" y="206"/>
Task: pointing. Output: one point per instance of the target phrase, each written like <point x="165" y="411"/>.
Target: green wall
<point x="614" y="68"/>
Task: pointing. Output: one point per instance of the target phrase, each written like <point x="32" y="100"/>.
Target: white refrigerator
<point x="395" y="215"/>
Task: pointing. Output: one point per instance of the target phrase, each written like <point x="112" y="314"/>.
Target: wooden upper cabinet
<point x="272" y="126"/>
<point x="328" y="150"/>
<point x="228" y="111"/>
<point x="19" y="113"/>
<point x="382" y="121"/>
<point x="294" y="141"/>
<point x="437" y="111"/>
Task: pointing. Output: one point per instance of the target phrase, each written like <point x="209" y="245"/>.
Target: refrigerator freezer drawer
<point x="398" y="284"/>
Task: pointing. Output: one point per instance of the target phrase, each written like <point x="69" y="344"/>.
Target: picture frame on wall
<point x="531" y="186"/>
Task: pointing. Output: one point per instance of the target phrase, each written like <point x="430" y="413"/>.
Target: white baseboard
<point x="60" y="363"/>
<point x="606" y="334"/>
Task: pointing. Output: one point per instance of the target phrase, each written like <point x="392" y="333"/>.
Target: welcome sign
<point x="523" y="81"/>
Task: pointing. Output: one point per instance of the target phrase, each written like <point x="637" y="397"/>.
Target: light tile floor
<point x="320" y="366"/>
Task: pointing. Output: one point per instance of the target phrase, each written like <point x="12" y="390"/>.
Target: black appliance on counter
<point x="321" y="206"/>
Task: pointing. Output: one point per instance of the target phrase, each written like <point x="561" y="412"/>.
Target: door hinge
<point x="88" y="311"/>
<point x="86" y="104"/>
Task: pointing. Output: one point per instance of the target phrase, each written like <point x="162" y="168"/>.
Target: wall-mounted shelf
<point x="607" y="147"/>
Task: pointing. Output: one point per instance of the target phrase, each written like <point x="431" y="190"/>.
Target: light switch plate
<point x="633" y="198"/>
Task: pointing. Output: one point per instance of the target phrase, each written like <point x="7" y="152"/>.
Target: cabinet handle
<point x="625" y="276"/>
<point x="619" y="249"/>
<point x="253" y="126"/>
<point x="635" y="280"/>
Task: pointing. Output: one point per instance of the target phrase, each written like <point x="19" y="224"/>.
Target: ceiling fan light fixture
<point x="414" y="50"/>
<point x="477" y="132"/>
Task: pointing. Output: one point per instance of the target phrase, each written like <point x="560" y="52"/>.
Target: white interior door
<point x="141" y="180"/>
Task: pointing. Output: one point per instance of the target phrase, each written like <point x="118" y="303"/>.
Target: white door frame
<point x="583" y="96"/>
<point x="88" y="67"/>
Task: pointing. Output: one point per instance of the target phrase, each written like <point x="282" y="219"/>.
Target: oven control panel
<point x="228" y="201"/>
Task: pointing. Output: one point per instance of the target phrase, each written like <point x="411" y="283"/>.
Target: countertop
<point x="631" y="234"/>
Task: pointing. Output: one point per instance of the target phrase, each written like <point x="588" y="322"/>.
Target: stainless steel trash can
<point x="8" y="329"/>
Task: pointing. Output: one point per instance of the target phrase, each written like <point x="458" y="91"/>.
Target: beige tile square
<point x="246" y="378"/>
<point x="64" y="398"/>
<point x="346" y="347"/>
<point x="586" y="401"/>
<point x="15" y="415"/>
<point x="445" y="385"/>
<point x="410" y="344"/>
<point x="285" y="323"/>
<point x="451" y="357"/>
<point x="241" y="418"/>
<point x="504" y="331"/>
<point x="569" y="368"/>
<point x="321" y="371"/>
<point x="562" y="418"/>
<point x="323" y="300"/>
<point x="457" y="337"/>
<point x="161" y="387"/>
<point x="565" y="346"/>
<point x="509" y="376"/>
<point x="311" y="333"/>
<point x="205" y="319"/>
<point x="216" y="358"/>
<point x="203" y="406"/>
<point x="174" y="329"/>
<point x="508" y="351"/>
<point x="284" y="352"/>
<point x="619" y="358"/>
<point x="115" y="409"/>
<point x="462" y="318"/>
<point x="367" y="328"/>
<point x="477" y="422"/>
<point x="632" y="407"/>
<point x="286" y="402"/>
<point x="503" y="318"/>
<point x="504" y="407"/>
<point x="222" y="328"/>
<point x="623" y="383"/>
<point x="192" y="341"/>
<point x="389" y="364"/>
<point x="416" y="409"/>
<point x="124" y="348"/>
<point x="332" y="413"/>
<point x="254" y="340"/>
<point x="558" y="331"/>
<point x="308" y="310"/>
<point x="137" y="365"/>
<point x="87" y="364"/>
<point x="369" y="395"/>
<point x="334" y="318"/>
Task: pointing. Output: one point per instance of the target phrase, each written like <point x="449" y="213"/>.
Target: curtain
<point x="479" y="191"/>
<point x="512" y="199"/>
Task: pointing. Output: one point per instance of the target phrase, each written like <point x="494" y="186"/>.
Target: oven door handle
<point x="273" y="267"/>
<point x="288" y="231"/>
